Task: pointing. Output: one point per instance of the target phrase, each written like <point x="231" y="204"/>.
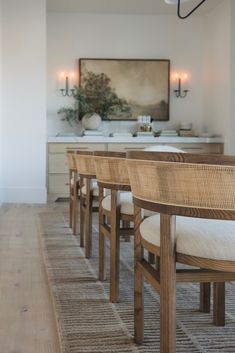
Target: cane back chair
<point x="88" y="195"/>
<point x="73" y="191"/>
<point x="116" y="211"/>
<point x="195" y="196"/>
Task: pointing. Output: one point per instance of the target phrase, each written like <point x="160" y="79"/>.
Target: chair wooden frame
<point x="164" y="280"/>
<point x="73" y="191"/>
<point x="112" y="174"/>
<point x="86" y="169"/>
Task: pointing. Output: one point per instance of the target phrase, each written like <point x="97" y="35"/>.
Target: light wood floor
<point x="27" y="322"/>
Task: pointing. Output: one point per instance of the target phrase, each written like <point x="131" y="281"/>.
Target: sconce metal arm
<point x="67" y="91"/>
<point x="194" y="9"/>
<point x="179" y="93"/>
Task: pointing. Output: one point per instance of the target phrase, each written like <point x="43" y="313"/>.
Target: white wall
<point x="73" y="36"/>
<point x="231" y="125"/>
<point x="24" y="100"/>
<point x="1" y="135"/>
<point x="70" y="36"/>
<point x="217" y="58"/>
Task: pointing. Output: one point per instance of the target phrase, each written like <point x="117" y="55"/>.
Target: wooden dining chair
<point x="73" y="191"/>
<point x="85" y="167"/>
<point x="195" y="196"/>
<point x="116" y="212"/>
<point x="205" y="288"/>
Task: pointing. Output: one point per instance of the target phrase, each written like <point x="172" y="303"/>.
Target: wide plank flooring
<point x="27" y="321"/>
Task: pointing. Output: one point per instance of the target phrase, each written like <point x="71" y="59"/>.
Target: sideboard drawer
<point x="63" y="147"/>
<point x="200" y="148"/>
<point x="120" y="147"/>
<point x="204" y="148"/>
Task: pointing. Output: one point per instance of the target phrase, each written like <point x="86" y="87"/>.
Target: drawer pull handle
<point x="192" y="148"/>
<point x="76" y="149"/>
<point x="134" y="148"/>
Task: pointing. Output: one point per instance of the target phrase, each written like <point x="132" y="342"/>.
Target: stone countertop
<point x="127" y="139"/>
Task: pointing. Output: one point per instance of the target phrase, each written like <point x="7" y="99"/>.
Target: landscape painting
<point x="133" y="86"/>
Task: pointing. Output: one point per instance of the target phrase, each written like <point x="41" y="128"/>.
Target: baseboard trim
<point x="24" y="195"/>
<point x="1" y="196"/>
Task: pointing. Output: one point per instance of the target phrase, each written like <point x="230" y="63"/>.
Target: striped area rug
<point x="88" y="323"/>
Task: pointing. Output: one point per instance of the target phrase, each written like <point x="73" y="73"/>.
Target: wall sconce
<point x="64" y="83"/>
<point x="179" y="93"/>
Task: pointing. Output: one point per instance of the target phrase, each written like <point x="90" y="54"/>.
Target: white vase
<point x="91" y="122"/>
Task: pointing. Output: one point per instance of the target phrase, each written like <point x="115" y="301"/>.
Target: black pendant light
<point x="178" y="2"/>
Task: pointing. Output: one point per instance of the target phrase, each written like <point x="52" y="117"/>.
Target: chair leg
<point x="70" y="201"/>
<point x="157" y="264"/>
<point x="219" y="304"/>
<point x="81" y="214"/>
<point x="101" y="238"/>
<point x="70" y="212"/>
<point x="168" y="285"/>
<point x="75" y="205"/>
<point x="151" y="258"/>
<point x="75" y="216"/>
<point x="126" y="224"/>
<point x="114" y="246"/>
<point x="138" y="281"/>
<point x="205" y="297"/>
<point x="88" y="219"/>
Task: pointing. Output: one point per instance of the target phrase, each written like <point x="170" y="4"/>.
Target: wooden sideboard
<point x="58" y="178"/>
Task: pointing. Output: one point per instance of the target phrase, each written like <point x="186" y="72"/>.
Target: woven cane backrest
<point x="185" y="185"/>
<point x="85" y="163"/>
<point x="183" y="157"/>
<point x="71" y="160"/>
<point x="111" y="168"/>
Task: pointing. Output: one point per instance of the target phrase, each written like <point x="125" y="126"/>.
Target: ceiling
<point x="141" y="7"/>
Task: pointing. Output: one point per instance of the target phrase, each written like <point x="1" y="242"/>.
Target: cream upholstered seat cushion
<point x="212" y="239"/>
<point x="127" y="206"/>
<point x="163" y="148"/>
<point x="73" y="179"/>
<point x="94" y="189"/>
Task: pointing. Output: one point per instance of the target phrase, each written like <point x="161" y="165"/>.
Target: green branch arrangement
<point x="95" y="96"/>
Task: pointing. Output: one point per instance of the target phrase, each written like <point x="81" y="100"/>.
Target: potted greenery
<point x="95" y="100"/>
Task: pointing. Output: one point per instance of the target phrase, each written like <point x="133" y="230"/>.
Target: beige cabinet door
<point x="58" y="176"/>
<point x="57" y="163"/>
<point x="59" y="184"/>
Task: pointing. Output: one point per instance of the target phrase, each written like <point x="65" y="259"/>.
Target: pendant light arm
<point x="195" y="8"/>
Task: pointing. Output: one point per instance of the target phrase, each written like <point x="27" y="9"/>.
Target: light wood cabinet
<point x="58" y="177"/>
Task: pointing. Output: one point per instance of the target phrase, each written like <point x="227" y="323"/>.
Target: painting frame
<point x="160" y="111"/>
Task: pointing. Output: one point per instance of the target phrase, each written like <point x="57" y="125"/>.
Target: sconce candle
<point x="178" y="92"/>
<point x="72" y="80"/>
<point x="65" y="90"/>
